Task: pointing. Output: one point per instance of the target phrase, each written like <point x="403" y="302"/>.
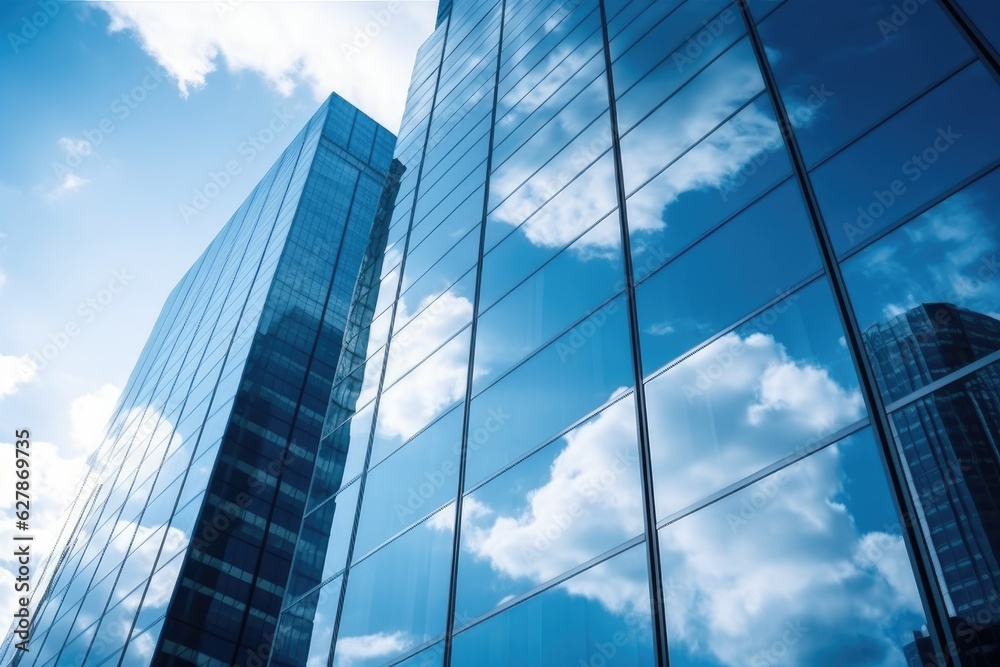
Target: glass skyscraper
<point x="178" y="547"/>
<point x="683" y="347"/>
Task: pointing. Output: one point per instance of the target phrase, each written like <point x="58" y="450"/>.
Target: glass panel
<point x="417" y="479"/>
<point x="948" y="441"/>
<point x="580" y="371"/>
<point x="766" y="249"/>
<point x="927" y="148"/>
<point x="830" y="60"/>
<point x="518" y="256"/>
<point x="670" y="53"/>
<point x="565" y="504"/>
<point x="349" y="444"/>
<point x="927" y="296"/>
<point x="805" y="567"/>
<point x="552" y="218"/>
<point x="398" y="598"/>
<point x="723" y="173"/>
<point x="985" y="15"/>
<point x="777" y="384"/>
<point x="427" y="391"/>
<point x="572" y="285"/>
<point x="694" y="111"/>
<point x="341" y="511"/>
<point x="438" y="321"/>
<point x="599" y="617"/>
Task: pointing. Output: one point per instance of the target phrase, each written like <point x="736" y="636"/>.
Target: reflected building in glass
<point x="949" y="440"/>
<point x="626" y="396"/>
<point x="178" y="547"/>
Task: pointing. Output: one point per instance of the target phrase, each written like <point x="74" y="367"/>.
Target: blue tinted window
<point x="822" y="529"/>
<point x="769" y="246"/>
<point x="928" y="147"/>
<point x="567" y="503"/>
<point x="599" y="615"/>
<point x="831" y="59"/>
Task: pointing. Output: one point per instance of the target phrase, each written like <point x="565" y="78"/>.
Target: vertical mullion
<point x="657" y="602"/>
<point x="363" y="478"/>
<point x="467" y="406"/>
<point x="881" y="424"/>
<point x="980" y="44"/>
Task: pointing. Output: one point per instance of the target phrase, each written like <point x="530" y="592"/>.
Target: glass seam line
<point x="786" y="461"/>
<point x="918" y="211"/>
<point x="918" y="549"/>
<point x="449" y="622"/>
<point x="657" y="606"/>
<point x="942" y="382"/>
<point x="385" y="359"/>
<point x="980" y="44"/>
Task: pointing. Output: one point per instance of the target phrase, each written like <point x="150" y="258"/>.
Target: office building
<point x="178" y="548"/>
<point x="621" y="400"/>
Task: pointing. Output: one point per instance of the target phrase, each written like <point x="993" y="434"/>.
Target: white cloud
<point x="69" y="183"/>
<point x="55" y="479"/>
<point x="437" y="382"/>
<point x="89" y="415"/>
<point x="597" y="473"/>
<point x="366" y="647"/>
<point x="3" y="278"/>
<point x="803" y="545"/>
<point x="713" y="163"/>
<point x="15" y="371"/>
<point x="323" y="46"/>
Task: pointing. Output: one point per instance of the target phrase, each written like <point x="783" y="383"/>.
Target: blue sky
<point x="115" y="117"/>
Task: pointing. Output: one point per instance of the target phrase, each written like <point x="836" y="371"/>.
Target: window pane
<point x="398" y="598"/>
<point x="427" y="391"/>
<point x="830" y="61"/>
<point x="417" y="479"/>
<point x="670" y="53"/>
<point x="579" y="372"/>
<point x="925" y="149"/>
<point x="927" y="296"/>
<point x="805" y="567"/>
<point x="599" y="617"/>
<point x="566" y="289"/>
<point x="340" y="519"/>
<point x="567" y="503"/>
<point x="777" y="384"/>
<point x="694" y="111"/>
<point x="719" y="176"/>
<point x="949" y="443"/>
<point x="518" y="256"/>
<point x="767" y="249"/>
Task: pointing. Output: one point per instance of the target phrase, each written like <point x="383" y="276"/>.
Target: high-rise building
<point x="949" y="440"/>
<point x="616" y="404"/>
<point x="178" y="549"/>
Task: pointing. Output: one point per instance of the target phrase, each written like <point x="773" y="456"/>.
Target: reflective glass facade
<point x="179" y="547"/>
<point x="684" y="347"/>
